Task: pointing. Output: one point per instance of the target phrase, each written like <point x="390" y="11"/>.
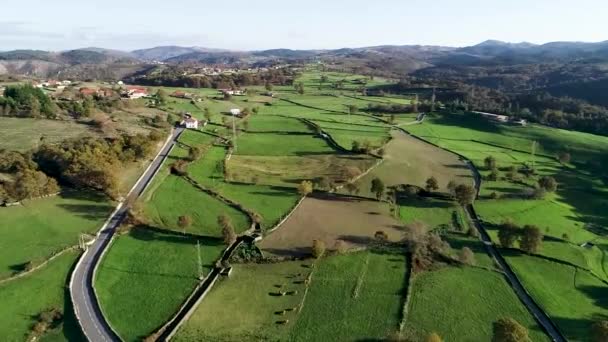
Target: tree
<point x="509" y="330"/>
<point x="194" y="153"/>
<point x="431" y="184"/>
<point x="381" y="236"/>
<point x="340" y="246"/>
<point x="207" y="114"/>
<point x="228" y="233"/>
<point x="352" y="109"/>
<point x="466" y="256"/>
<point x="548" y="183"/>
<point x="318" y="248"/>
<point x="305" y="188"/>
<point x="352" y="188"/>
<point x="324" y="183"/>
<point x="599" y="331"/>
<point x="452" y="187"/>
<point x="490" y="163"/>
<point x="434" y="337"/>
<point x="563" y="157"/>
<point x="161" y="97"/>
<point x="531" y="239"/>
<point x="268" y="86"/>
<point x="508" y="234"/>
<point x="184" y="222"/>
<point x="300" y="88"/>
<point x="464" y="194"/>
<point x="377" y="187"/>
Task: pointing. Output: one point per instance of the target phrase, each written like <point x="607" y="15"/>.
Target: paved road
<point x="541" y="317"/>
<point x="85" y="303"/>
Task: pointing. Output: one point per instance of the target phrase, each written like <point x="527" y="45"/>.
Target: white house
<point x="235" y="111"/>
<point x="495" y="117"/>
<point x="191" y="123"/>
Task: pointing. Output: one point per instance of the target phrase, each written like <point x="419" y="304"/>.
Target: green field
<point x="23" y="134"/>
<point x="573" y="298"/>
<point x="354" y="297"/>
<point x="243" y="307"/>
<point x="22" y="300"/>
<point x="38" y="228"/>
<point x="146" y="275"/>
<point x="460" y="304"/>
<point x="270" y="144"/>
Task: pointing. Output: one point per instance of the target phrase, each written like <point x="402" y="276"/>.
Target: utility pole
<point x="200" y="261"/>
<point x="234" y="132"/>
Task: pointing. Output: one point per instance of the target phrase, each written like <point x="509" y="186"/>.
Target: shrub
<point x="465" y="194"/>
<point x="340" y="247"/>
<point x="531" y="239"/>
<point x="318" y="248"/>
<point x="599" y="331"/>
<point x="466" y="256"/>
<point x="507" y="234"/>
<point x="305" y="188"/>
<point x="490" y="163"/>
<point x="547" y="183"/>
<point x="431" y="184"/>
<point x="184" y="222"/>
<point x="509" y="330"/>
<point x="381" y="236"/>
<point x="494" y="195"/>
<point x="434" y="337"/>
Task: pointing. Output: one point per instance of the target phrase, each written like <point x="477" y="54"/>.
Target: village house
<point x="189" y="122"/>
<point x="494" y="117"/>
<point x="235" y="112"/>
<point x="235" y="92"/>
<point x="182" y="95"/>
<point x="135" y="92"/>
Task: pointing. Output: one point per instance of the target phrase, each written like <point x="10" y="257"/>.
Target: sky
<point x="311" y="24"/>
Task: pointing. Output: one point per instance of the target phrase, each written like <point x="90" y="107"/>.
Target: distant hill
<point x="163" y="53"/>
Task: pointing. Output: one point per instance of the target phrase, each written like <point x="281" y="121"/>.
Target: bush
<point x="466" y="256"/>
<point x="599" y="331"/>
<point x="547" y="183"/>
<point x="508" y="234"/>
<point x="509" y="330"/>
<point x="340" y="247"/>
<point x="318" y="248"/>
<point x="381" y="236"/>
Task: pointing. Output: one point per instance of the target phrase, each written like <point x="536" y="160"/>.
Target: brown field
<point x="291" y="170"/>
<point x="408" y="160"/>
<point x="330" y="219"/>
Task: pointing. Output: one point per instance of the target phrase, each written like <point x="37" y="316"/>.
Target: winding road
<point x="86" y="307"/>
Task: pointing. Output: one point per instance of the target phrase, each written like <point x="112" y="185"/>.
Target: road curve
<point x="86" y="307"/>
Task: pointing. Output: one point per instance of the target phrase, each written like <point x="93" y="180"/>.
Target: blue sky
<point x="251" y="25"/>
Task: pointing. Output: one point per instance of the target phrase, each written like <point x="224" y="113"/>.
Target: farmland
<point x="144" y="257"/>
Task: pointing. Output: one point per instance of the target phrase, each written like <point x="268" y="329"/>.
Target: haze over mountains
<point x="407" y="58"/>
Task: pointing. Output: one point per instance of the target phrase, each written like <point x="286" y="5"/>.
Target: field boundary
<point x="280" y="223"/>
<point x="408" y="293"/>
<point x="39" y="266"/>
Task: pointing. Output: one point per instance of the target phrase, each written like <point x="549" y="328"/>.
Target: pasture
<point x="461" y="303"/>
<point x="148" y="273"/>
<point x="354" y="297"/>
<point x="23" y="134"/>
<point x="22" y="300"/>
<point x="175" y="197"/>
<point x="331" y="218"/>
<point x="32" y="232"/>
<point x="246" y="306"/>
<point x="271" y="144"/>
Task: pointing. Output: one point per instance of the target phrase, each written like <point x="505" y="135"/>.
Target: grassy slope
<point x="23" y="299"/>
<point x="353" y="297"/>
<point x="149" y="274"/>
<point x="22" y="134"/>
<point x="41" y="227"/>
<point x="241" y="308"/>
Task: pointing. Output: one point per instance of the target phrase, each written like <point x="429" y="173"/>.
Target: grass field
<point x="274" y="123"/>
<point x="38" y="228"/>
<point x="175" y="197"/>
<point x="22" y="300"/>
<point x="410" y="161"/>
<point x="573" y="298"/>
<point x="269" y="144"/>
<point x="353" y="298"/>
<point x="434" y="213"/>
<point x="243" y="307"/>
<point x="289" y="171"/>
<point x="330" y="219"/>
<point x="460" y="304"/>
<point x="149" y="274"/>
<point x="23" y="134"/>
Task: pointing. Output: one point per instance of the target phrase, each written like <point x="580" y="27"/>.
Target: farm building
<point x="235" y="111"/>
<point x="135" y="92"/>
<point x="235" y="92"/>
<point x="494" y="117"/>
<point x="189" y="122"/>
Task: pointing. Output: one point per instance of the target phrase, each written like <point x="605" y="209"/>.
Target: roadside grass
<point x="461" y="303"/>
<point x="22" y="300"/>
<point x="573" y="298"/>
<point x="175" y="197"/>
<point x="269" y="144"/>
<point x="146" y="275"/>
<point x="410" y="161"/>
<point x="23" y="134"/>
<point x="38" y="228"/>
<point x="289" y="171"/>
<point x="244" y="307"/>
<point x="354" y="297"/>
<point x="195" y="138"/>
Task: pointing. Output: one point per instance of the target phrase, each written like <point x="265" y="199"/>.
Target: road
<point x="541" y="317"/>
<point x="86" y="306"/>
